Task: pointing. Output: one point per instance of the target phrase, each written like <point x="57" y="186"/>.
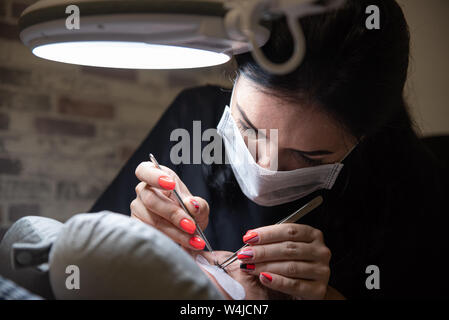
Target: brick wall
<point x="66" y="130"/>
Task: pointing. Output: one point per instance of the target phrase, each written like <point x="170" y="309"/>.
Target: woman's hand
<point x="156" y="205"/>
<point x="289" y="258"/>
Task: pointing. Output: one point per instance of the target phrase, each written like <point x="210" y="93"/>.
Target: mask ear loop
<point x="232" y="97"/>
<point x="346" y="183"/>
<point x="349" y="152"/>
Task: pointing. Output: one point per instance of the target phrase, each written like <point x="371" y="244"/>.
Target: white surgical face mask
<point x="265" y="187"/>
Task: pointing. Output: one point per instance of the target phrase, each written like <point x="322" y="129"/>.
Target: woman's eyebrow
<point x="307" y="153"/>
<point x="245" y="116"/>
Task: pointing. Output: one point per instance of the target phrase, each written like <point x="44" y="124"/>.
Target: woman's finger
<point x="162" y="179"/>
<point x="140" y="186"/>
<point x="199" y="208"/>
<point x="140" y="212"/>
<point x="298" y="288"/>
<point x="290" y="269"/>
<point x="166" y="208"/>
<point x="282" y="232"/>
<point x="280" y="251"/>
<point x="193" y="242"/>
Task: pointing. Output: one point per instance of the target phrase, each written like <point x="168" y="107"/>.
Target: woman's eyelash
<point x="309" y="161"/>
<point x="242" y="126"/>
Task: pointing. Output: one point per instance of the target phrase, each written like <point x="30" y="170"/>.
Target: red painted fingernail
<point x="188" y="226"/>
<point x="251" y="237"/>
<point x="166" y="182"/>
<point x="247" y="266"/>
<point x="266" y="276"/>
<point x="195" y="203"/>
<point x="197" y="243"/>
<point x="245" y="254"/>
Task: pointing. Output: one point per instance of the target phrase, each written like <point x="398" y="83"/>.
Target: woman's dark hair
<point x="356" y="75"/>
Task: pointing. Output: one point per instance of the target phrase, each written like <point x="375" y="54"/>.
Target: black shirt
<point x="367" y="218"/>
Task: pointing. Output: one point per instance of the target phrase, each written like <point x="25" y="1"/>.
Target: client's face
<point x="253" y="288"/>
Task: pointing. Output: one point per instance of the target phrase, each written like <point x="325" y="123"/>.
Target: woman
<point x="344" y="104"/>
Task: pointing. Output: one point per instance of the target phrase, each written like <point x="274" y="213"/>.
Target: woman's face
<point x="306" y="135"/>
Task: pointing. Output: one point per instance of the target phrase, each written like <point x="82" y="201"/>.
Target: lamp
<point x="163" y="34"/>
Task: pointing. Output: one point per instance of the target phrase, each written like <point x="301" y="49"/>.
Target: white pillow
<point x="122" y="258"/>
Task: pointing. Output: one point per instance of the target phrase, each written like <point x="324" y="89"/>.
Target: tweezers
<point x="295" y="216"/>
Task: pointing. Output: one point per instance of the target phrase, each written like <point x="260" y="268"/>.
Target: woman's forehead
<point x="300" y="126"/>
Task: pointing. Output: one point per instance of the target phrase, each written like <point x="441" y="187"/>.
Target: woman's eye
<point x="242" y="126"/>
<point x="308" y="161"/>
<point x="246" y="131"/>
<point x="239" y="125"/>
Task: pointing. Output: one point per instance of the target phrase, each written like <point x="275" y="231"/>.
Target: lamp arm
<point x="244" y="17"/>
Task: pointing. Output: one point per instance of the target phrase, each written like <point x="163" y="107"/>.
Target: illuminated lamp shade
<point x="136" y="34"/>
<point x="129" y="55"/>
<point x="162" y="34"/>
